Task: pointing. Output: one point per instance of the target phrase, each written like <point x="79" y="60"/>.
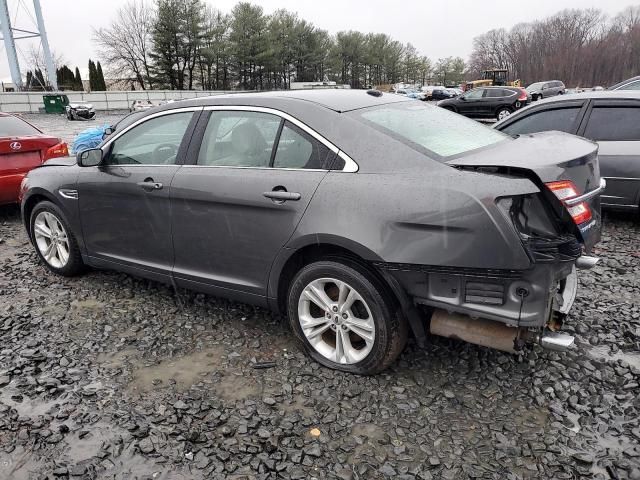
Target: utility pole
<point x="48" y="59"/>
<point x="10" y="45"/>
<point x="11" y="34"/>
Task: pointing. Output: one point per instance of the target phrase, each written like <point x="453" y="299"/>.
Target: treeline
<point x="579" y="47"/>
<point x="186" y="44"/>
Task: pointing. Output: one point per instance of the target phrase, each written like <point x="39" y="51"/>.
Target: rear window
<point x="428" y="129"/>
<point x="11" y="126"/>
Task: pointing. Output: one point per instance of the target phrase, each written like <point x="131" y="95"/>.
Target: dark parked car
<point x="442" y="94"/>
<point x="540" y="90"/>
<point x="612" y="119"/>
<point x="488" y="102"/>
<point x="629" y="84"/>
<point x="349" y="211"/>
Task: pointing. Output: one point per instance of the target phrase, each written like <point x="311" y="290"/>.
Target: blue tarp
<point x="88" y="139"/>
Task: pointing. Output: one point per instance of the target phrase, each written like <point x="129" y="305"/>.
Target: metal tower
<point x="11" y="34"/>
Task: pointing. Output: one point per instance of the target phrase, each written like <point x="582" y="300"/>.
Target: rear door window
<point x="297" y="149"/>
<point x="613" y="124"/>
<point x="561" y="119"/>
<point x="239" y="139"/>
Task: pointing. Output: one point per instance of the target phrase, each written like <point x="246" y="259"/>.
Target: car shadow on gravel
<point x="110" y="376"/>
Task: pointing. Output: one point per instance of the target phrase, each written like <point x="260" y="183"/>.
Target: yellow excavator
<point x="493" y="77"/>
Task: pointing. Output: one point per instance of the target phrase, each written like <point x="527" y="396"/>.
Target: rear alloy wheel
<point x="54" y="242"/>
<point x="344" y="318"/>
<point x="503" y="113"/>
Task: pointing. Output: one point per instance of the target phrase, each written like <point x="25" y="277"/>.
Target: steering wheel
<point x="164" y="153"/>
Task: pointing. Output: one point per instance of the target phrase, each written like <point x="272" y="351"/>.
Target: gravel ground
<point x="109" y="376"/>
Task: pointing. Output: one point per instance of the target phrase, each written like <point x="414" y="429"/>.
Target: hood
<point x="60" y="162"/>
<point x="81" y="105"/>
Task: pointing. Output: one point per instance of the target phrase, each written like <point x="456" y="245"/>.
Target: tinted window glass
<point x="429" y="129"/>
<point x="296" y="149"/>
<point x="14" y="127"/>
<point x="154" y="142"/>
<point x="562" y="119"/>
<point x="614" y="123"/>
<point x="474" y="94"/>
<point x="239" y="139"/>
<point x="495" y="93"/>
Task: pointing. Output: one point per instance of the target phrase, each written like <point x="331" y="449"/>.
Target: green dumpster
<point x="55" y="103"/>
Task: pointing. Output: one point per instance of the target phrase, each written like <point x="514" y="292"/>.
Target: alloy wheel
<point x="51" y="239"/>
<point x="336" y="320"/>
<point x="503" y="114"/>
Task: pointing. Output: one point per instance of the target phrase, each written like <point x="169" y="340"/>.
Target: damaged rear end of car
<point x="557" y="226"/>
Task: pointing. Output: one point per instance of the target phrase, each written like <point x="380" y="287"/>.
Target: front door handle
<point x="149" y="185"/>
<point x="282" y="195"/>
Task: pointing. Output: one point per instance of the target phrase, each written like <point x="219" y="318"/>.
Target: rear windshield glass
<point x="14" y="127"/>
<point x="428" y="129"/>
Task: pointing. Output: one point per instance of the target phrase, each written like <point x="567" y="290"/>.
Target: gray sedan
<point x="612" y="119"/>
<point x="361" y="216"/>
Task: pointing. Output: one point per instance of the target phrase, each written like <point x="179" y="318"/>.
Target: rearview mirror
<point x="90" y="158"/>
<point x="109" y="130"/>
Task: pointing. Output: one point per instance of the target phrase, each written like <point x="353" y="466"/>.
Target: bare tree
<point x="35" y="60"/>
<point x="126" y="43"/>
<point x="580" y="47"/>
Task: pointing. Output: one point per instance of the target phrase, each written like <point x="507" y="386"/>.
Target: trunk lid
<point x="548" y="157"/>
<point x="21" y="154"/>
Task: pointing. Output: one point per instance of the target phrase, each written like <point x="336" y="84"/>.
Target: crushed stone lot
<point x="109" y="376"/>
<point x="106" y="376"/>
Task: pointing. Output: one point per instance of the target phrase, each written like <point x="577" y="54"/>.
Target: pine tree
<point x="93" y="86"/>
<point x="77" y="84"/>
<point x="101" y="85"/>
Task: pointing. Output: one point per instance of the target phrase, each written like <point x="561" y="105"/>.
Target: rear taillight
<point x="523" y="95"/>
<point x="566" y="190"/>
<point x="59" y="150"/>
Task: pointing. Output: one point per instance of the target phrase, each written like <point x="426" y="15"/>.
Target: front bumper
<point x="86" y="114"/>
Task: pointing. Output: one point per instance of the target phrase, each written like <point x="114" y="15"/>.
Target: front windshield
<point x="429" y="129"/>
<point x="535" y="86"/>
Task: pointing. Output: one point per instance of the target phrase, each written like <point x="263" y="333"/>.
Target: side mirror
<point x="462" y="97"/>
<point x="90" y="158"/>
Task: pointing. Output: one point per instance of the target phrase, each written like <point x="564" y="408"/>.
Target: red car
<point x="22" y="148"/>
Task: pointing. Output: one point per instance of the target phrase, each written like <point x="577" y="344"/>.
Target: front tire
<point x="345" y="317"/>
<point x="54" y="241"/>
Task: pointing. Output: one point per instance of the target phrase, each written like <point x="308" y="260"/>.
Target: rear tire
<point x="502" y="113"/>
<point x="345" y="317"/>
<point x="54" y="241"/>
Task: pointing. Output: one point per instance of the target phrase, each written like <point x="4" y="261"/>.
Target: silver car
<point x="540" y="90"/>
<point x="612" y="118"/>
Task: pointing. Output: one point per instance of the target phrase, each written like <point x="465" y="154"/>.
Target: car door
<point x="470" y="102"/>
<point x="241" y="197"/>
<point x="124" y="202"/>
<point x="615" y="125"/>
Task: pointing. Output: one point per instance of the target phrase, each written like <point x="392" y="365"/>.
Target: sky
<point x="437" y="29"/>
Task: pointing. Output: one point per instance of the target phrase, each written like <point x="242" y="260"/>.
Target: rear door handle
<point x="282" y="195"/>
<point x="150" y="185"/>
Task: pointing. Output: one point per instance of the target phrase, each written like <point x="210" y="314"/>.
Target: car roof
<point x="624" y="82"/>
<point x="338" y="100"/>
<point x="601" y="94"/>
<point x="589" y="95"/>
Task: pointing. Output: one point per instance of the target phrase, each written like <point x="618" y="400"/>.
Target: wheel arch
<point x="34" y="197"/>
<point x="312" y="248"/>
